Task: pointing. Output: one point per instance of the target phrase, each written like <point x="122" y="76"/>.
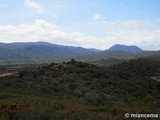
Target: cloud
<point x="145" y="39"/>
<point x="97" y="17"/>
<point x="144" y="33"/>
<point x="34" y="5"/>
<point x="41" y="30"/>
<point x="129" y="25"/>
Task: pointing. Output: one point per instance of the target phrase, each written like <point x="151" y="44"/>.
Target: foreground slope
<point x="76" y="90"/>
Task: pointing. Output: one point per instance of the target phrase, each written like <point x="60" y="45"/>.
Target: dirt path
<point x="6" y="74"/>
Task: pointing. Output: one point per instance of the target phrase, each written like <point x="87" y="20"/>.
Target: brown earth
<point x="6" y="74"/>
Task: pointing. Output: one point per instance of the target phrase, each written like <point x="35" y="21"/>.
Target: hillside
<point x="39" y="51"/>
<point x="81" y="91"/>
<point x="42" y="52"/>
<point x="124" y="48"/>
<point x="118" y="56"/>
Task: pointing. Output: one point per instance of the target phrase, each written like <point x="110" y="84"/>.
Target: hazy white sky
<point x="86" y="23"/>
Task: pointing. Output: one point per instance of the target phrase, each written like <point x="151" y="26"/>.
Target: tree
<point x="73" y="61"/>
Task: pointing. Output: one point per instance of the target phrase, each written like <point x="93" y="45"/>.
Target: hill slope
<point x="107" y="56"/>
<point x="125" y="48"/>
<point x="79" y="90"/>
<point x="46" y="52"/>
<point x="40" y="51"/>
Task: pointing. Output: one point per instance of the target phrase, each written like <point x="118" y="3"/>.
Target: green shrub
<point x="94" y="98"/>
<point x="58" y="106"/>
<point x="77" y="115"/>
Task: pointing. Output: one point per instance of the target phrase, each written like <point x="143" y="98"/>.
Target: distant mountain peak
<point x="125" y="48"/>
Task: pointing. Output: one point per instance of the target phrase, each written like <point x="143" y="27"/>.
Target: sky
<point x="86" y="23"/>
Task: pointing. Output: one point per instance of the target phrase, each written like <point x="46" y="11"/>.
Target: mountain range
<point x="40" y="51"/>
<point x="46" y="52"/>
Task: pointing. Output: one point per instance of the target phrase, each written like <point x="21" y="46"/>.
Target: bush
<point x="35" y="115"/>
<point x="77" y="115"/>
<point x="114" y="110"/>
<point x="73" y="62"/>
<point x="77" y="93"/>
<point x="58" y="106"/>
<point x="94" y="98"/>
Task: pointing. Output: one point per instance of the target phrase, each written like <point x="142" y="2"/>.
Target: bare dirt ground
<point x="6" y="74"/>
